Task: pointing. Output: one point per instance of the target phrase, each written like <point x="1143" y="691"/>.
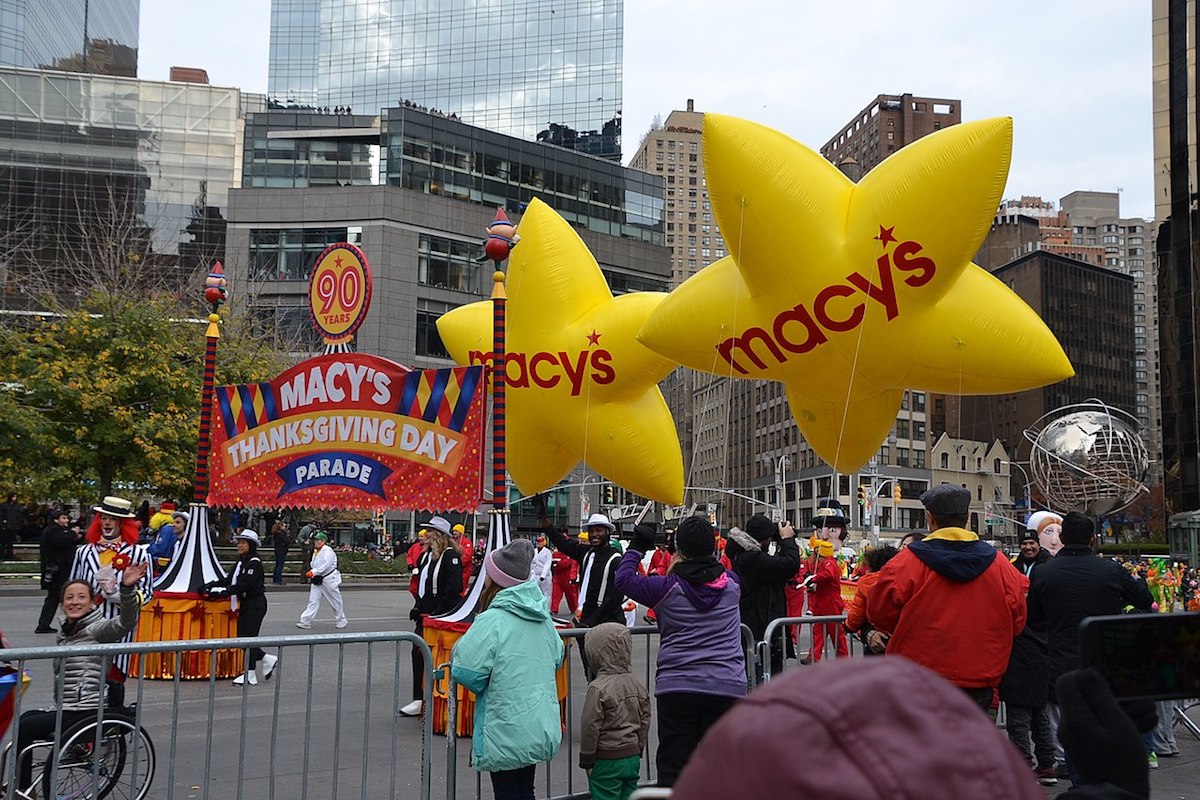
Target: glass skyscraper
<point x="546" y="70"/>
<point x="99" y="36"/>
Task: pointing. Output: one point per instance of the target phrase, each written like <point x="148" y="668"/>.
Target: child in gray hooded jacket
<point x="616" y="715"/>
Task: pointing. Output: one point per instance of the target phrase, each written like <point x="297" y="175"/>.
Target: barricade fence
<point x="326" y="725"/>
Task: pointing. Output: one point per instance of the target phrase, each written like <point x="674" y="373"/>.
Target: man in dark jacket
<point x="1073" y="585"/>
<point x="11" y="517"/>
<point x="599" y="598"/>
<point x="57" y="551"/>
<point x="1032" y="554"/>
<point x="763" y="575"/>
<point x="1025" y="687"/>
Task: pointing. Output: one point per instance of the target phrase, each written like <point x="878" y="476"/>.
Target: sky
<point x="1075" y="75"/>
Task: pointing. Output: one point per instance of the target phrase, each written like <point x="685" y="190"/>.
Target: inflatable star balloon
<point x="580" y="387"/>
<point x="850" y="293"/>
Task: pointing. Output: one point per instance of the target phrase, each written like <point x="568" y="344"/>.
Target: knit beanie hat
<point x="760" y="527"/>
<point x="695" y="537"/>
<point x="509" y="565"/>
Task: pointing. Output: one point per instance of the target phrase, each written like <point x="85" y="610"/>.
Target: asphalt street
<point x="329" y="716"/>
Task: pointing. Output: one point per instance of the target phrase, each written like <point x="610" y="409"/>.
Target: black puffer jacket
<point x="1076" y="584"/>
<point x="762" y="577"/>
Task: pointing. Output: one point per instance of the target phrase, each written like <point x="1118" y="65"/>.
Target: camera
<point x="1145" y="656"/>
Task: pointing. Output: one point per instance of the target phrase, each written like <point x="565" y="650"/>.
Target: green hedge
<point x="1135" y="549"/>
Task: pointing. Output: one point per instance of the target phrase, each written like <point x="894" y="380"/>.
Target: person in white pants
<point x="540" y="569"/>
<point x="326" y="580"/>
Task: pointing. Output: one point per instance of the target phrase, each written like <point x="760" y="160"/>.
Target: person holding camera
<point x="325" y="580"/>
<point x="763" y="575"/>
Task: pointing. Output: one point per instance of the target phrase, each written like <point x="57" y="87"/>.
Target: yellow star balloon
<point x="580" y="387"/>
<point x="850" y="293"/>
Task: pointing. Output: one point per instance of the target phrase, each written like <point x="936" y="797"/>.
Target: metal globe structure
<point x="1088" y="457"/>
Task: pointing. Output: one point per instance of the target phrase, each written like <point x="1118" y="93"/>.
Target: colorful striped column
<point x="499" y="303"/>
<point x="200" y="492"/>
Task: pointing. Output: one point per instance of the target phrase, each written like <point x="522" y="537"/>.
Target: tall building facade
<point x="1176" y="155"/>
<point x="888" y="123"/>
<point x="1088" y="227"/>
<point x="71" y="35"/>
<point x="94" y="169"/>
<point x="1089" y="309"/>
<point x="534" y="69"/>
<point x="414" y="189"/>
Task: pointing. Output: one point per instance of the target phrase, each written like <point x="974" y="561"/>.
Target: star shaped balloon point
<point x="580" y="387"/>
<point x="851" y="293"/>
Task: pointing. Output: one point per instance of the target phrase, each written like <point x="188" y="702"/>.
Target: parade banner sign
<point x="349" y="430"/>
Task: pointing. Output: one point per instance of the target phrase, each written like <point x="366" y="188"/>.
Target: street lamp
<point x="1028" y="493"/>
<point x="781" y="465"/>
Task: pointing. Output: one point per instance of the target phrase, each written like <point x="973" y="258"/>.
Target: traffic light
<point x="897" y="493"/>
<point x="862" y="494"/>
<point x="610" y="494"/>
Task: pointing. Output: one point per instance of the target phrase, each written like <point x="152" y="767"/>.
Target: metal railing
<point x="561" y="778"/>
<point x="211" y="725"/>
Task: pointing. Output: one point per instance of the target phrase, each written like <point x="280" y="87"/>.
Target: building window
<point x="918" y="458"/>
<point x="902" y="429"/>
<point x="448" y="264"/>
<point x="945" y="461"/>
<point x="429" y="342"/>
<point x="289" y="254"/>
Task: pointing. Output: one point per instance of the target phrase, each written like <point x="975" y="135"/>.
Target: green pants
<point x="614" y="778"/>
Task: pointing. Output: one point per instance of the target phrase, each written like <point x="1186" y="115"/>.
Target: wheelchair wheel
<point x="120" y="766"/>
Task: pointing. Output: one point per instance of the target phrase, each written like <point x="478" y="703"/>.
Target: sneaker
<point x="248" y="677"/>
<point x="413" y="709"/>
<point x="1046" y="776"/>
<point x="268" y="665"/>
<point x="303" y="626"/>
<point x="1153" y="760"/>
<point x="341" y="623"/>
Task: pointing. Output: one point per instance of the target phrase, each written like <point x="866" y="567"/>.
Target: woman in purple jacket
<point x="701" y="666"/>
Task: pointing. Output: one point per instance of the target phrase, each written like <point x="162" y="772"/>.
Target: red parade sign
<point x="350" y="430"/>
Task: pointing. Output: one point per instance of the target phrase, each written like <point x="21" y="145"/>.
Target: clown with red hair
<point x="111" y="547"/>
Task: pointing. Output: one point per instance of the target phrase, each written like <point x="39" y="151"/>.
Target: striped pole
<point x="200" y="493"/>
<point x="499" y="303"/>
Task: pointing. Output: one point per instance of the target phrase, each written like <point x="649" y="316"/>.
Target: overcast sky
<point x="1075" y="76"/>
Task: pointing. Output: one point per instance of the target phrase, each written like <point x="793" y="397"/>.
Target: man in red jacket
<point x="951" y="602"/>
<point x="467" y="551"/>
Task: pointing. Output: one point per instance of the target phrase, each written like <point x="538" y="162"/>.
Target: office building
<point x="1176" y="155"/>
<point x="95" y="169"/>
<point x="1088" y="227"/>
<point x="1089" y="309"/>
<point x="548" y="70"/>
<point x="888" y="123"/>
<point x="416" y="191"/>
<point x="70" y="35"/>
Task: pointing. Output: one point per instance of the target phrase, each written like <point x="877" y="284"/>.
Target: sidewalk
<point x="1177" y="778"/>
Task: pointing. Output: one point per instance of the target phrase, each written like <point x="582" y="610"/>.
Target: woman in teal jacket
<point x="508" y="658"/>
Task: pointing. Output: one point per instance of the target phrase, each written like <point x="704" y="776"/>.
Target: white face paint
<point x="1048" y="538"/>
<point x="110" y="527"/>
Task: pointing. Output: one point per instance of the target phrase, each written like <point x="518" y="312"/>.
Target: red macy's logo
<point x="782" y="339"/>
<point x="546" y="369"/>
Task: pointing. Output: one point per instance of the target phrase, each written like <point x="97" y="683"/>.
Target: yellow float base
<point x="171" y="619"/>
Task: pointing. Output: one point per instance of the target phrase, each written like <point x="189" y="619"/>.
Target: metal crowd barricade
<point x="278" y="750"/>
<point x="782" y="626"/>
<point x="561" y="778"/>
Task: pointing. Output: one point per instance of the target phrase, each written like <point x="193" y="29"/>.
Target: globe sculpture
<point x="1088" y="457"/>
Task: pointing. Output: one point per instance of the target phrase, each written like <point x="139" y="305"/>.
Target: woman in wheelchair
<point x="80" y="678"/>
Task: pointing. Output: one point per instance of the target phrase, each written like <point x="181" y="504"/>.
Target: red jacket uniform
<point x="660" y="561"/>
<point x="825" y="591"/>
<point x="468" y="560"/>
<point x="953" y="604"/>
<point x="413" y="558"/>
